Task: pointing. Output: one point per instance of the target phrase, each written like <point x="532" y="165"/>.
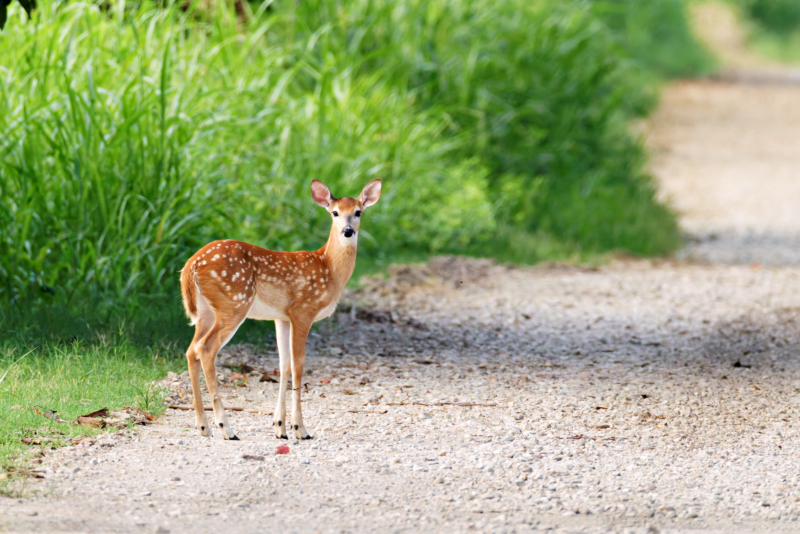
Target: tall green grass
<point x="656" y="34"/>
<point x="130" y="137"/>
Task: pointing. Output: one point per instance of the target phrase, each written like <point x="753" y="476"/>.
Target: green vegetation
<point x="656" y="34"/>
<point x="71" y="379"/>
<point x="778" y="47"/>
<point x="131" y="135"/>
<point x="779" y="16"/>
<point x="773" y="27"/>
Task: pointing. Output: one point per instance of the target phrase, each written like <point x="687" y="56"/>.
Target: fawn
<point x="226" y="282"/>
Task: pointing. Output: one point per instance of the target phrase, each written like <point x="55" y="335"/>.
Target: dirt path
<point x="727" y="156"/>
<point x="639" y="397"/>
<point x="727" y="153"/>
<point x="631" y="397"/>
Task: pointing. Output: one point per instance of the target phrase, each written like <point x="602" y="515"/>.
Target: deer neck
<point x="340" y="255"/>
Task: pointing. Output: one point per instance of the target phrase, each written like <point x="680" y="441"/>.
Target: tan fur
<point x="188" y="293"/>
<point x="228" y="281"/>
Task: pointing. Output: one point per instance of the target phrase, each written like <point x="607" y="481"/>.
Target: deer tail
<point x="189" y="292"/>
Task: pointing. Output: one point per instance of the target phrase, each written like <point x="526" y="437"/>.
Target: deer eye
<point x="358" y="213"/>
<point x="335" y="213"/>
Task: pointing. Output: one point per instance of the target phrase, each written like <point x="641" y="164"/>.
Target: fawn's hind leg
<point x="199" y="411"/>
<point x="193" y="359"/>
<point x="208" y="348"/>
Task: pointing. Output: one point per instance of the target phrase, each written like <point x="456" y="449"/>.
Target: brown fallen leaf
<point x="368" y="411"/>
<point x="119" y="419"/>
<point x="91" y="422"/>
<point x="253" y="457"/>
<point x="21" y="472"/>
<point x="102" y="412"/>
<point x="37" y="441"/>
<point x="266" y="377"/>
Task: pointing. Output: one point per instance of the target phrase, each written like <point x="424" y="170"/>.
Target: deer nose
<point x="348" y="231"/>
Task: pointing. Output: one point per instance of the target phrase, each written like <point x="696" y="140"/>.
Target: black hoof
<point x="283" y="437"/>
<point x="308" y="437"/>
<point x="234" y="438"/>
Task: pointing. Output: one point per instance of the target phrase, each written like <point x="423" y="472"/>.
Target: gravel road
<point x="727" y="153"/>
<point x="727" y="156"/>
<point x="639" y="397"/>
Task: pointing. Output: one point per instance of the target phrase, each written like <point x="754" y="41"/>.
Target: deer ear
<point x="321" y="194"/>
<point x="371" y="193"/>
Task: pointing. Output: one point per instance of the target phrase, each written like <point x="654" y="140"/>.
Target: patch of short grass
<point x="71" y="379"/>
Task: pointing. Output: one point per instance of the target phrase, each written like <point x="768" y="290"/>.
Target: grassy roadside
<point x="71" y="379"/>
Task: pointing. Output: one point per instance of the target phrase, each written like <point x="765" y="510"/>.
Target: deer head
<point x="346" y="212"/>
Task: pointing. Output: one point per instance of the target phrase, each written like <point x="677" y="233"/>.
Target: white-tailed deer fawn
<point x="226" y="282"/>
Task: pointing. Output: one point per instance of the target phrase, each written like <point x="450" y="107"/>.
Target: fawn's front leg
<point x="283" y="334"/>
<point x="299" y="336"/>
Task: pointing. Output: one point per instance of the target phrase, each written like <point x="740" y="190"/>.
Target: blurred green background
<point x="773" y="27"/>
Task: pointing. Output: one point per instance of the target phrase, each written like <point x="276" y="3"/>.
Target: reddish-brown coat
<point x="228" y="281"/>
